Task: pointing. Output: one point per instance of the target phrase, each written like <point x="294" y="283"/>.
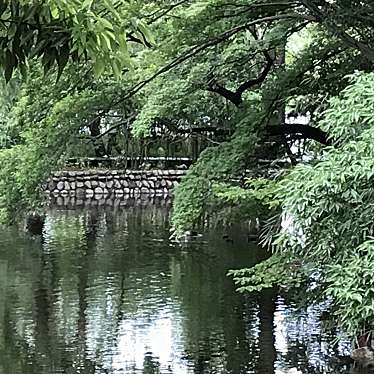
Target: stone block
<point x="98" y="191"/>
<point x="89" y="192"/>
<point x="180" y="172"/>
<point x="80" y="192"/>
<point x="51" y="186"/>
<point x="60" y="186"/>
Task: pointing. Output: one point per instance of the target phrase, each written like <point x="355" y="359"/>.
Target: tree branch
<point x="338" y="31"/>
<point x="235" y="97"/>
<point x="155" y="17"/>
<point x="195" y="50"/>
<point x="254" y="82"/>
<point x="306" y="131"/>
<point x="278" y="6"/>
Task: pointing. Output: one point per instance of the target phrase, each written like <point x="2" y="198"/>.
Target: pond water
<point x="105" y="291"/>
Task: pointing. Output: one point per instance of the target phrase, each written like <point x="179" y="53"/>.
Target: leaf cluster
<point x="57" y="32"/>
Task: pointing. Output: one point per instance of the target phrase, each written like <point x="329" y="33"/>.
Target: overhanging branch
<point x="338" y="31"/>
<point x="195" y="50"/>
<point x="305" y="131"/>
<point x="235" y="97"/>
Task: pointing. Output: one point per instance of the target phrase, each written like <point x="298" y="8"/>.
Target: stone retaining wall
<point x="117" y="183"/>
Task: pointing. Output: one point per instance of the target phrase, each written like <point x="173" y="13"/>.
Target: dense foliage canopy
<point x="57" y="31"/>
<point x="256" y="80"/>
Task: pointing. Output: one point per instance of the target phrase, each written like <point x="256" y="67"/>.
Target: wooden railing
<point x="131" y="162"/>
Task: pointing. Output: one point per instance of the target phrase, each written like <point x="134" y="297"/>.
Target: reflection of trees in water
<point x="97" y="269"/>
<point x="150" y="365"/>
<point x="266" y="340"/>
<point x="221" y="326"/>
<point x="34" y="344"/>
<point x="309" y="342"/>
<point x="215" y="329"/>
<point x="102" y="232"/>
<point x="3" y="289"/>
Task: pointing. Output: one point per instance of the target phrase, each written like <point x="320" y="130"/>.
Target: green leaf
<point x="146" y="32"/>
<point x="99" y="67"/>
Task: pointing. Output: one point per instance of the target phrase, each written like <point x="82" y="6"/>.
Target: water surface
<point x="104" y="290"/>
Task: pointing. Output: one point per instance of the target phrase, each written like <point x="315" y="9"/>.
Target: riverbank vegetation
<point x="255" y="80"/>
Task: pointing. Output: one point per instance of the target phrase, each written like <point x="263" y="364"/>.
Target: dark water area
<point x="105" y="291"/>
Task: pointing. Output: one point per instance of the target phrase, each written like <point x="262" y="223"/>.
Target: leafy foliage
<point x="279" y="270"/>
<point x="222" y="163"/>
<point x="330" y="203"/>
<point x="57" y="31"/>
<point x="42" y="132"/>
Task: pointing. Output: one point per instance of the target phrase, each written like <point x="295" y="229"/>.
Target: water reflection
<point x="105" y="291"/>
